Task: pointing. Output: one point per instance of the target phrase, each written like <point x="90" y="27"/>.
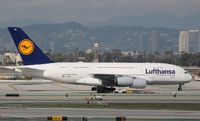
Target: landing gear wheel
<point x="180" y="89"/>
<point x="94" y="88"/>
<point x="103" y="89"/>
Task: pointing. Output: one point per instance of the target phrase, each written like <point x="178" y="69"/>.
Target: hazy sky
<point x="89" y="10"/>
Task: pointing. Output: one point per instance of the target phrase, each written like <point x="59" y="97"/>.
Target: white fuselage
<point x="154" y="73"/>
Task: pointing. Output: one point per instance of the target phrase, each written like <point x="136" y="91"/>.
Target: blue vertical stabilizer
<point x="30" y="53"/>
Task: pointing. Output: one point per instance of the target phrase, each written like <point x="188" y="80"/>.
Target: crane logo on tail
<point x="26" y="47"/>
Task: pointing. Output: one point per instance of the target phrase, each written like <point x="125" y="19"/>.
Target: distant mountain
<point x="66" y="37"/>
<point x="23" y="22"/>
<point x="60" y="37"/>
<point x="154" y="20"/>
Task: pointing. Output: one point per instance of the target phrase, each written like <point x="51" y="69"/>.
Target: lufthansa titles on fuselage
<point x="159" y="71"/>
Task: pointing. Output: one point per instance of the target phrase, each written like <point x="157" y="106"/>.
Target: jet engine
<point x="123" y="81"/>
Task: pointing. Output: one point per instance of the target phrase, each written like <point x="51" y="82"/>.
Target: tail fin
<point x="30" y="53"/>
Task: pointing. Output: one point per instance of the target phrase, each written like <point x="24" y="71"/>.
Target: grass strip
<point x="146" y="106"/>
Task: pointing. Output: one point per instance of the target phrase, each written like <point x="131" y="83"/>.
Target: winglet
<point x="30" y="53"/>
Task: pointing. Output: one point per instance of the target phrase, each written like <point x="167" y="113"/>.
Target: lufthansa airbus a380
<point x="103" y="76"/>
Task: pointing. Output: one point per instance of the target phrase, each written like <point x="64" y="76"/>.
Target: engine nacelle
<point x="125" y="81"/>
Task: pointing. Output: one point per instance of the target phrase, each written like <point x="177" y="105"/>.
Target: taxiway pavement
<point x="81" y="112"/>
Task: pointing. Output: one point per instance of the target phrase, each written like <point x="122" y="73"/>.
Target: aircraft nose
<point x="189" y="77"/>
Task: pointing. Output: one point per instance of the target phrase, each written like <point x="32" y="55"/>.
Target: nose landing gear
<point x="180" y="87"/>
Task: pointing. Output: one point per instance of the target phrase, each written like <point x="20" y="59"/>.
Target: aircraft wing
<point x="107" y="79"/>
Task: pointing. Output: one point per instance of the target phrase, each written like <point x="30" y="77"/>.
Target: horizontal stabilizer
<point x="34" y="72"/>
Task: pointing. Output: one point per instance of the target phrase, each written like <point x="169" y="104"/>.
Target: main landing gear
<point x="103" y="89"/>
<point x="180" y="87"/>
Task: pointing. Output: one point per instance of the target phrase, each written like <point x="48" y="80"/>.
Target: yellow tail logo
<point x="26" y="47"/>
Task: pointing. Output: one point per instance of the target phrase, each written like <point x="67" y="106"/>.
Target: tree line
<point x="185" y="59"/>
